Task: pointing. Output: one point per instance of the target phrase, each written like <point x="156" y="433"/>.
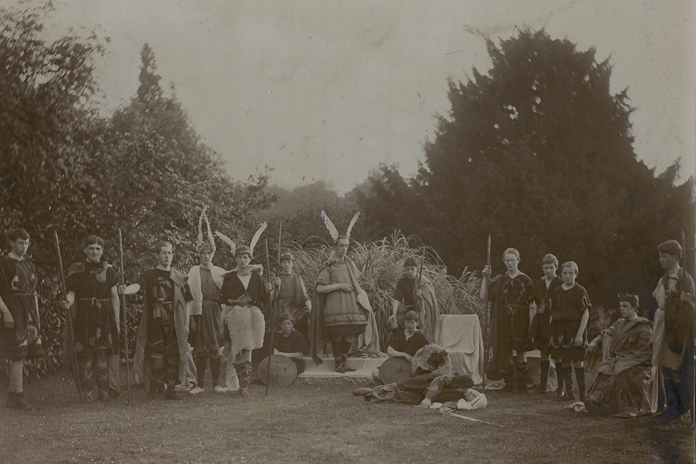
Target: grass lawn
<point x="312" y="424"/>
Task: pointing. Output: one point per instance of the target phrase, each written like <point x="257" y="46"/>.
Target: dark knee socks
<point x="201" y="364"/>
<point x="580" y="377"/>
<point x="215" y="371"/>
<point x="544" y="374"/>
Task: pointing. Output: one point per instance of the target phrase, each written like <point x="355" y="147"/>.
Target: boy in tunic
<point x="290" y="342"/>
<point x="292" y="296"/>
<point x="162" y="351"/>
<point x="409" y="295"/>
<point x="511" y="295"/>
<point x="405" y="292"/>
<point x="335" y="296"/>
<point x="19" y="315"/>
<point x="93" y="299"/>
<point x="541" y="324"/>
<point x="673" y="337"/>
<point x="205" y="281"/>
<point x="621" y="385"/>
<point x="570" y="311"/>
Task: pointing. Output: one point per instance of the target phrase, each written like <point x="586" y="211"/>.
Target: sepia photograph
<point x="319" y="231"/>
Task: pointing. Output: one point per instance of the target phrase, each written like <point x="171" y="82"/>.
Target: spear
<point x="690" y="356"/>
<point x="273" y="305"/>
<point x="485" y="318"/>
<point x="68" y="318"/>
<point x="125" y="319"/>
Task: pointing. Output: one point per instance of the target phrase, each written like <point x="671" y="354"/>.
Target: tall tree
<point x="539" y="153"/>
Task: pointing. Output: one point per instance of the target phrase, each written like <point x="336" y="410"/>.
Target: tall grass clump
<point x="380" y="264"/>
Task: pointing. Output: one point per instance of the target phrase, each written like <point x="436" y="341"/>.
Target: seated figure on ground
<point x="289" y="342"/>
<point x="621" y="384"/>
<point x="404" y="343"/>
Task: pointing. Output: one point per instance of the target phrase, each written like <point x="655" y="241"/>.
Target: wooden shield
<point x="395" y="370"/>
<point x="283" y="371"/>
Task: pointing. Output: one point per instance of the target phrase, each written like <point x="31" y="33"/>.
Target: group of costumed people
<point x="636" y="366"/>
<point x="221" y="318"/>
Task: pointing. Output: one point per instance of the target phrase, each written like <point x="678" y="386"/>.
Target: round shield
<point x="395" y="370"/>
<point x="283" y="371"/>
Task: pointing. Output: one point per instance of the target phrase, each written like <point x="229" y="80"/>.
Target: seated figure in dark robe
<point x="622" y="382"/>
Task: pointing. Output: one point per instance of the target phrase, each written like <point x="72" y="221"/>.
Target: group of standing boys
<point x="641" y="364"/>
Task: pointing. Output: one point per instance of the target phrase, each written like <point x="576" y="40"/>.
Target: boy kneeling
<point x="289" y="342"/>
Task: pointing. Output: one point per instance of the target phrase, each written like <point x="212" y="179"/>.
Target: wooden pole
<point x="68" y="318"/>
<point x="125" y="319"/>
<point x="486" y="323"/>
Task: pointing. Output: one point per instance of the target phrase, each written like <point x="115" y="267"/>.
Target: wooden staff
<point x="486" y="336"/>
<point x="68" y="318"/>
<point x="125" y="319"/>
<point x="419" y="303"/>
<point x="272" y="307"/>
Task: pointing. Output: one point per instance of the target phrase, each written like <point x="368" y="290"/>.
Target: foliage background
<point x="536" y="152"/>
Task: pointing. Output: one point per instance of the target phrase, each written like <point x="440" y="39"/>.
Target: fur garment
<point x="245" y="326"/>
<point x="431" y="358"/>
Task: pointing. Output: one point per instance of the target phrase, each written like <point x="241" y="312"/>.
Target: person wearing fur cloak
<point x="412" y="294"/>
<point x="162" y="351"/>
<point x="342" y="313"/>
<point x="244" y="297"/>
<point x="205" y="281"/>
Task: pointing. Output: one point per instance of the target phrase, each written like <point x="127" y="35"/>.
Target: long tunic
<point x="541" y="324"/>
<point x="567" y="308"/>
<point x="206" y="335"/>
<point x="18" y="291"/>
<point x="510" y="300"/>
<point x="342" y="313"/>
<point x="622" y="381"/>
<point x="96" y="326"/>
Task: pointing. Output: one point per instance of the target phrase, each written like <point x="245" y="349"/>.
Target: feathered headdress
<point x="201" y="243"/>
<point x="333" y="231"/>
<point x="243" y="248"/>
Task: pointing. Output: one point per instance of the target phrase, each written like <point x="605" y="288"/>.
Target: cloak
<point x="428" y="309"/>
<point x="142" y="363"/>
